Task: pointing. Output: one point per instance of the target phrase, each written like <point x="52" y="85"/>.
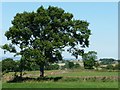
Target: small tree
<point x="8" y="65"/>
<point x="89" y="59"/>
<point x="69" y="65"/>
<point x="97" y="64"/>
<point x="110" y="67"/>
<point x="117" y="66"/>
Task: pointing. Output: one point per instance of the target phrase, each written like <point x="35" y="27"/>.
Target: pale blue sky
<point x="103" y="19"/>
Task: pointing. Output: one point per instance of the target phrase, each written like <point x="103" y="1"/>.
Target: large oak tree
<point x="42" y="35"/>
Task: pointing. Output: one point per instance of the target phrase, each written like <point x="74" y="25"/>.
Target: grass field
<point x="62" y="85"/>
<point x="88" y="73"/>
<point x="72" y="82"/>
<point x="76" y="72"/>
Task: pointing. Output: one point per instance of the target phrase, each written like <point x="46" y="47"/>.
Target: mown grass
<point x="68" y="73"/>
<point x="61" y="85"/>
<point x="70" y="79"/>
<point x="88" y="73"/>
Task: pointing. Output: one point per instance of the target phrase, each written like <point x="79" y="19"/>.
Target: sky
<point x="102" y="16"/>
<point x="60" y="1"/>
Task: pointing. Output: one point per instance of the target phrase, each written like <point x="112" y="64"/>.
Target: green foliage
<point x="69" y="65"/>
<point x="52" y="67"/>
<point x="106" y="61"/>
<point x="88" y="64"/>
<point x="117" y="66"/>
<point x="48" y="31"/>
<point x="111" y="67"/>
<point x="89" y="59"/>
<point x="9" y="48"/>
<point x="43" y="34"/>
<point x="76" y="65"/>
<point x="97" y="64"/>
<point x="8" y="65"/>
<point x="34" y="67"/>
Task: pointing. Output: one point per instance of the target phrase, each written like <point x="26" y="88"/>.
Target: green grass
<point x="62" y="85"/>
<point x="88" y="73"/>
<point x="69" y="73"/>
<point x="72" y="82"/>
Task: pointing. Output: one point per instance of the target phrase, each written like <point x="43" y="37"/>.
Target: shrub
<point x="117" y="67"/>
<point x="88" y="64"/>
<point x="110" y="67"/>
<point x="69" y="65"/>
<point x="77" y="65"/>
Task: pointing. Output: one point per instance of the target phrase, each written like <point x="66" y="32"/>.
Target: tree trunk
<point x="42" y="71"/>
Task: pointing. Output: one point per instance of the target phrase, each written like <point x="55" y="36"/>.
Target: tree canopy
<point x="89" y="59"/>
<point x="8" y="65"/>
<point x="43" y="34"/>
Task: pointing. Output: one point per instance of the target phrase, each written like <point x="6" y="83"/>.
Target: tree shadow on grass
<point x="23" y="79"/>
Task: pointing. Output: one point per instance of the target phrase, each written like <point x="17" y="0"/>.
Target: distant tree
<point x="97" y="64"/>
<point x="106" y="61"/>
<point x="28" y="66"/>
<point x="89" y="59"/>
<point x="8" y="65"/>
<point x="41" y="36"/>
<point x="76" y="65"/>
<point x="110" y="67"/>
<point x="117" y="66"/>
<point x="69" y="65"/>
